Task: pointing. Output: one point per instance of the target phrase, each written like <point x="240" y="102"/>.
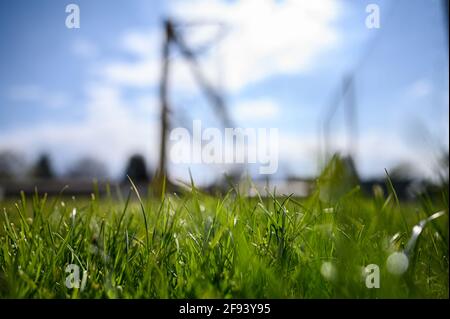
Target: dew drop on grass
<point x="395" y="238"/>
<point x="73" y="215"/>
<point x="364" y="273"/>
<point x="328" y="271"/>
<point x="397" y="263"/>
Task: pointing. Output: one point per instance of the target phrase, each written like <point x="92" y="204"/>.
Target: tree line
<point x="13" y="166"/>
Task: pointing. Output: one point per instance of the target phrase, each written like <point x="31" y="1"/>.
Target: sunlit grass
<point x="195" y="245"/>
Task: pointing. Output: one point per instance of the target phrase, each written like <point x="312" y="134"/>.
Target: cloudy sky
<point x="93" y="91"/>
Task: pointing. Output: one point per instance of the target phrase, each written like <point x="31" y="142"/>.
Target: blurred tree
<point x="403" y="171"/>
<point x="137" y="169"/>
<point x="443" y="168"/>
<point x="43" y="168"/>
<point x="87" y="168"/>
<point x="337" y="178"/>
<point x="12" y="165"/>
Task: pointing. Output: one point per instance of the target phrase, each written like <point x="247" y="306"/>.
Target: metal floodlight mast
<point x="174" y="38"/>
<point x="346" y="93"/>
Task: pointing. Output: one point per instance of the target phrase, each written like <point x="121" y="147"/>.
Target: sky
<point x="93" y="91"/>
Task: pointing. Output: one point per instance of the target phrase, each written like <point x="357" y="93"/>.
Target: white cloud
<point x="140" y="43"/>
<point x="37" y="95"/>
<point x="144" y="70"/>
<point x="135" y="74"/>
<point x="419" y="89"/>
<point x="84" y="48"/>
<point x="264" y="38"/>
<point x="256" y="110"/>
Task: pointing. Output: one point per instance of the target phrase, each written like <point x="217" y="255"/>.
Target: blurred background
<point x="90" y="102"/>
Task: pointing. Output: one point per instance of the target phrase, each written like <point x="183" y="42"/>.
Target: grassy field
<point x="195" y="245"/>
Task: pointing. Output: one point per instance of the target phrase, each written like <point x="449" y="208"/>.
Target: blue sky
<point x="93" y="91"/>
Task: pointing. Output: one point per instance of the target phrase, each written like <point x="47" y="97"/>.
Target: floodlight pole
<point x="347" y="93"/>
<point x="163" y="93"/>
<point x="171" y="36"/>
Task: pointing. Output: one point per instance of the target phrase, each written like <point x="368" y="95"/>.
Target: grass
<point x="195" y="245"/>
